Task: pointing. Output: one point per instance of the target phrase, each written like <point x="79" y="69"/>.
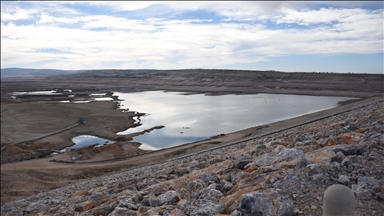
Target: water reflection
<point x="103" y="99"/>
<point x="52" y="92"/>
<point x="86" y="140"/>
<point x="189" y="118"/>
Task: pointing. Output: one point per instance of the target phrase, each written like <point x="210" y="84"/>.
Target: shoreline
<point x="252" y="132"/>
<point x="218" y="141"/>
<point x="109" y="132"/>
<point x="215" y="138"/>
<point x="29" y="174"/>
<point x="263" y="171"/>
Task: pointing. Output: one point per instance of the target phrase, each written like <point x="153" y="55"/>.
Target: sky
<point x="301" y="36"/>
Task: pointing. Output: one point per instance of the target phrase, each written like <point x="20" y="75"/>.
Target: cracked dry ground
<point x="285" y="173"/>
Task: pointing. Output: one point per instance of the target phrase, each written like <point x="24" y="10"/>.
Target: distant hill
<point x="14" y="72"/>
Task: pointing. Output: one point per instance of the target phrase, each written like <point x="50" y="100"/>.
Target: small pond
<point x="86" y="140"/>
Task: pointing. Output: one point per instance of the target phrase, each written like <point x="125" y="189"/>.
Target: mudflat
<point x="26" y="119"/>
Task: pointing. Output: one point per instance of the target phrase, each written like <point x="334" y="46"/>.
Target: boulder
<point x="339" y="157"/>
<point x="236" y="213"/>
<point x="265" y="160"/>
<point x="174" y="212"/>
<point x="208" y="178"/>
<point x="85" y="206"/>
<point x="207" y="209"/>
<point x="290" y="154"/>
<point x="169" y="197"/>
<point x="303" y="162"/>
<point x="291" y="176"/>
<point x="244" y="157"/>
<point x="338" y="200"/>
<point x="343" y="179"/>
<point x="242" y="164"/>
<point x="129" y="204"/>
<point x="195" y="185"/>
<point x="332" y="142"/>
<point x="209" y="194"/>
<point x="225" y="186"/>
<point x="257" y="150"/>
<point x="380" y="197"/>
<point x="304" y="143"/>
<point x="319" y="168"/>
<point x="265" y="203"/>
<point x="347" y="151"/>
<point x="347" y="163"/>
<point x="351" y="137"/>
<point x="150" y="201"/>
<point x="118" y="211"/>
<point x="366" y="188"/>
<point x="320" y="155"/>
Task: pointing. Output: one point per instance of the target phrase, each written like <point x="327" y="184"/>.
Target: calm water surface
<point x="189" y="118"/>
<point x="86" y="140"/>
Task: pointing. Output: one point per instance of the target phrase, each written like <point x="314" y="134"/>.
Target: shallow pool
<point x="86" y="140"/>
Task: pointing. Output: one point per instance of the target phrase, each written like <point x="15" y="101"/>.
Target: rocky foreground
<point x="285" y="173"/>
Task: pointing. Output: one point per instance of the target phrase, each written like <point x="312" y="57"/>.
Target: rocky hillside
<point x="285" y="173"/>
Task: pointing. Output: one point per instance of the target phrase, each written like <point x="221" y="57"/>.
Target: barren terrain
<point x="26" y="118"/>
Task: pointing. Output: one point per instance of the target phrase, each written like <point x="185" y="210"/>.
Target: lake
<point x="192" y="117"/>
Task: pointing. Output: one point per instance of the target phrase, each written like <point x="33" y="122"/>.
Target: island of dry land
<point x="30" y="167"/>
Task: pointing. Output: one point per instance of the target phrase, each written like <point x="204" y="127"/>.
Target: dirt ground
<point x="21" y="121"/>
<point x="25" y="120"/>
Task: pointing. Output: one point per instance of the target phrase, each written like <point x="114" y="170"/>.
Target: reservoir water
<point x="192" y="117"/>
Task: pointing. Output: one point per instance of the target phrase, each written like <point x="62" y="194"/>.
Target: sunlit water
<point x="52" y="92"/>
<point x="94" y="96"/>
<point x="189" y="118"/>
<point x="86" y="140"/>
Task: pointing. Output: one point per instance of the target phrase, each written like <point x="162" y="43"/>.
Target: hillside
<point x="209" y="81"/>
<point x="17" y="72"/>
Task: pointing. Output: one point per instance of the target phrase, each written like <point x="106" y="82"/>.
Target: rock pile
<point x="26" y="152"/>
<point x="285" y="173"/>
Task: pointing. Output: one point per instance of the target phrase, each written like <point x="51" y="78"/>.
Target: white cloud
<point x="89" y="41"/>
<point x="12" y="13"/>
<point x="234" y="10"/>
<point x="326" y="16"/>
<point x="119" y="5"/>
<point x="19" y="15"/>
<point x="351" y="4"/>
<point x="46" y="18"/>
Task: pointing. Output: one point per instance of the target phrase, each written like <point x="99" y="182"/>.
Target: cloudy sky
<point x="285" y="36"/>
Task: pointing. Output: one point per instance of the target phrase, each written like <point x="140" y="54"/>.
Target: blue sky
<point x="320" y="36"/>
